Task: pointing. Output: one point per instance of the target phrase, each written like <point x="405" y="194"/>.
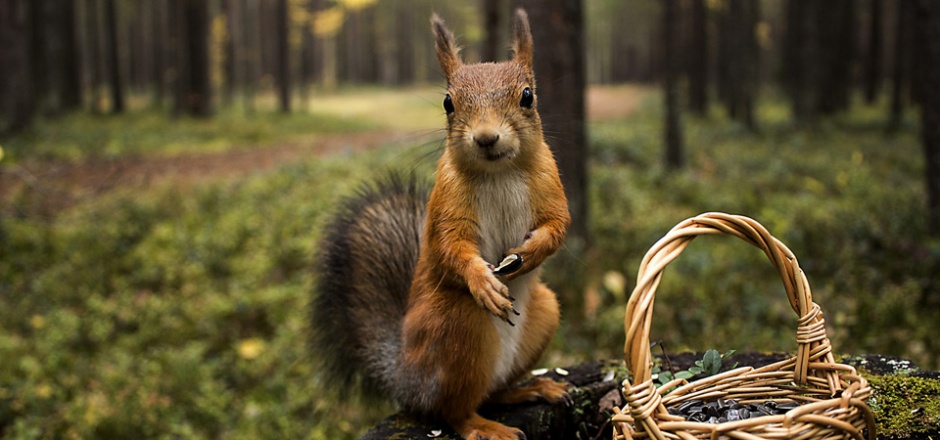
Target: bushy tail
<point x="364" y="267"/>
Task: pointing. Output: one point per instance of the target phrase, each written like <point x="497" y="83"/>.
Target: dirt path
<point x="58" y="185"/>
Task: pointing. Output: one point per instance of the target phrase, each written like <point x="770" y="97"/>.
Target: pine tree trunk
<point x="71" y="86"/>
<point x="558" y="34"/>
<point x="16" y="97"/>
<point x="928" y="39"/>
<point x="114" y="59"/>
<point x="698" y="63"/>
<point x="873" y="61"/>
<point x="194" y="94"/>
<point x="283" y="56"/>
<point x="492" y="27"/>
<point x="673" y="132"/>
<point x="407" y="56"/>
<point x="900" y="75"/>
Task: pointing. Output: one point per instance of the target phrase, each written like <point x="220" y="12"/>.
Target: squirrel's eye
<point x="527" y="98"/>
<point x="448" y="104"/>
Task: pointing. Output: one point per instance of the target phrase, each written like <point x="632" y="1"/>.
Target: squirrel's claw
<point x="567" y="399"/>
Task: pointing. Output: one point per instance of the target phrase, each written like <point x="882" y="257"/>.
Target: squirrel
<point x="409" y="300"/>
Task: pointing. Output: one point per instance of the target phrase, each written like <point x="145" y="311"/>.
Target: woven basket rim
<point x="833" y="395"/>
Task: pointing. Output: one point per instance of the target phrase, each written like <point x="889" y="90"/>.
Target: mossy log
<point x="906" y="402"/>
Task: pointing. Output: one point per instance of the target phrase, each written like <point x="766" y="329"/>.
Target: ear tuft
<point x="446" y="46"/>
<point x="522" y="39"/>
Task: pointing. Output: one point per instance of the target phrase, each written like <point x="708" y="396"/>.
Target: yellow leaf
<point x="1" y="152"/>
<point x="327" y="23"/>
<point x="37" y="321"/>
<point x="251" y="348"/>
<point x="616" y="284"/>
<point x="357" y="5"/>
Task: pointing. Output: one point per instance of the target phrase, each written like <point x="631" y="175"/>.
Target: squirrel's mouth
<point x="494" y="156"/>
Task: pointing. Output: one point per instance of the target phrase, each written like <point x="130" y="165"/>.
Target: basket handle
<point x="813" y="344"/>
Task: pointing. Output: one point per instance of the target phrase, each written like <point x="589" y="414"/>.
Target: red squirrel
<point x="409" y="299"/>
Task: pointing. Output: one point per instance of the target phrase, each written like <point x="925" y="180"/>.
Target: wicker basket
<point x="831" y="396"/>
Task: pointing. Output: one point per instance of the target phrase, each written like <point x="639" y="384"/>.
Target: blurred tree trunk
<point x="837" y="26"/>
<point x="16" y="96"/>
<point x="738" y="71"/>
<point x="230" y="68"/>
<point x="819" y="55"/>
<point x="900" y="72"/>
<point x="93" y="59"/>
<point x="359" y="62"/>
<point x="928" y="38"/>
<point x="55" y="56"/>
<point x="558" y="34"/>
<point x="251" y="70"/>
<point x="799" y="59"/>
<point x="309" y="53"/>
<point x="283" y="56"/>
<point x="405" y="43"/>
<point x="874" y="60"/>
<point x="492" y="30"/>
<point x="673" y="127"/>
<point x="194" y="89"/>
<point x="698" y="59"/>
<point x="114" y="58"/>
<point x="159" y="50"/>
<point x="71" y="79"/>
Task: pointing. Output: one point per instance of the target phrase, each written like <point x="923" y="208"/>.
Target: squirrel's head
<point x="492" y="122"/>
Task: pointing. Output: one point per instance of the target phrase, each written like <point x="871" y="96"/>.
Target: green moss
<point x="905" y="405"/>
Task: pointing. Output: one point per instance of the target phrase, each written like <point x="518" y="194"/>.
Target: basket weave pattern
<point x="831" y="396"/>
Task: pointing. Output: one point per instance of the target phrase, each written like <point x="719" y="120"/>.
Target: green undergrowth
<point x="79" y="136"/>
<point x="174" y="314"/>
<point x="180" y="312"/>
<point x="846" y="198"/>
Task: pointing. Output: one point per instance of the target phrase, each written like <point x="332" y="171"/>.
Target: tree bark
<point x="159" y="51"/>
<point x="71" y="85"/>
<point x="900" y="73"/>
<point x="492" y="27"/>
<point x="874" y="59"/>
<point x="114" y="59"/>
<point x="799" y="69"/>
<point x="698" y="59"/>
<point x="673" y="127"/>
<point x="558" y="34"/>
<point x="585" y="418"/>
<point x="283" y="56"/>
<point x="16" y="97"/>
<point x="837" y="36"/>
<point x="407" y="57"/>
<point x="928" y="40"/>
<point x="194" y="89"/>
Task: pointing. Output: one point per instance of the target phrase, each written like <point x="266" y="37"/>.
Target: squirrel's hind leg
<point x="541" y="388"/>
<point x="476" y="427"/>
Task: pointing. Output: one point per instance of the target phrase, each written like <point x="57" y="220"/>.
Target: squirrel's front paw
<point x="492" y="294"/>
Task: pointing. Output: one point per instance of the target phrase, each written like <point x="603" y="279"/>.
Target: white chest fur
<point x="505" y="217"/>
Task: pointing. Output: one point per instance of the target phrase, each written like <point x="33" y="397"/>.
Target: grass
<point x="79" y="136"/>
<point x="179" y="313"/>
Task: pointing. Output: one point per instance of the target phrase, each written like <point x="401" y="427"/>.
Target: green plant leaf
<point x="712" y="362"/>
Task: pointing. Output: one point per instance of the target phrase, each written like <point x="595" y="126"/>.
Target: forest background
<point x="166" y="167"/>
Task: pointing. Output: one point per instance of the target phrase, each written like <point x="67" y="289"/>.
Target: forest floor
<point x="63" y="183"/>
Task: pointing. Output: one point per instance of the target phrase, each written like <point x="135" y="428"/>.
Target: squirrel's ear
<point x="522" y="39"/>
<point x="446" y="46"/>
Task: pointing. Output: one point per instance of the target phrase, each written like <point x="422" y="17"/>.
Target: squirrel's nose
<point x="486" y="139"/>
